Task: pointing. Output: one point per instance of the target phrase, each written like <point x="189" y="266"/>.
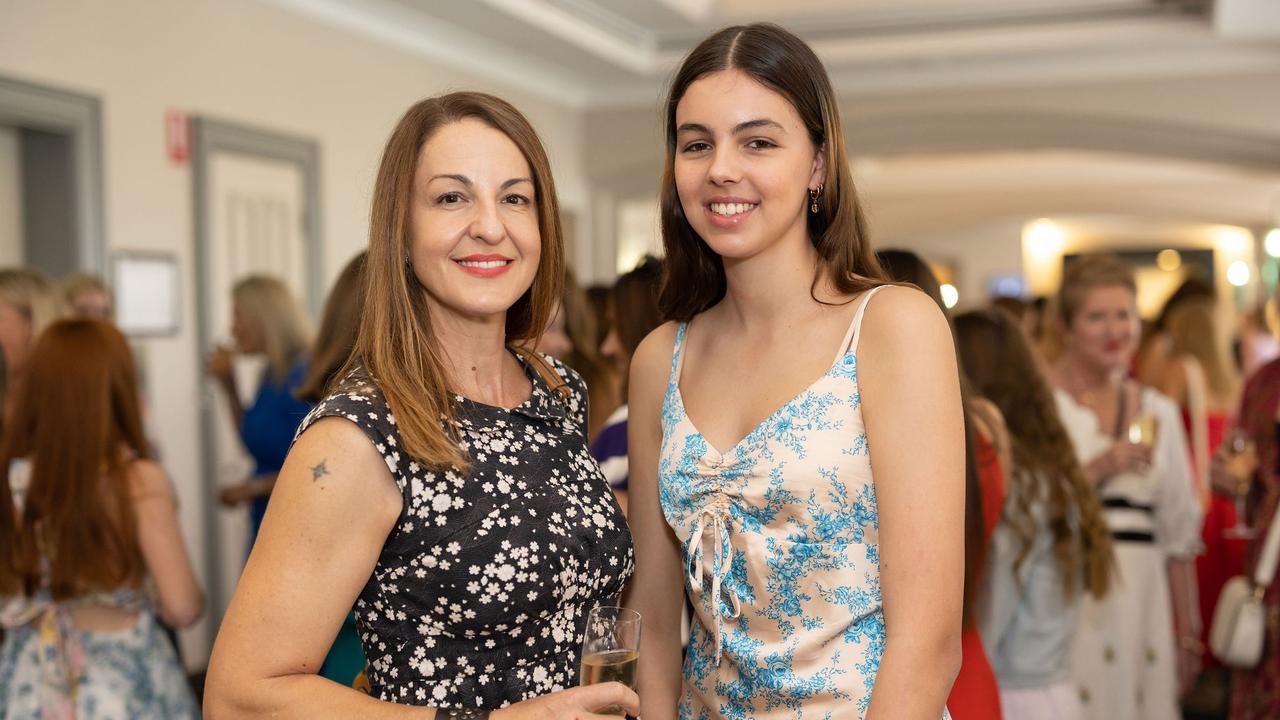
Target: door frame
<point x="208" y="137"/>
<point x="41" y="107"/>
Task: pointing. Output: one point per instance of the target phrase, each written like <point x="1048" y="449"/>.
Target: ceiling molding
<point x="406" y="29"/>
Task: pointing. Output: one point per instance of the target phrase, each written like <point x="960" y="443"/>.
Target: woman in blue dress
<point x="267" y="320"/>
<point x="820" y="589"/>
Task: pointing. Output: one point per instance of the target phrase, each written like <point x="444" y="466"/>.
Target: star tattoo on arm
<point x="319" y="471"/>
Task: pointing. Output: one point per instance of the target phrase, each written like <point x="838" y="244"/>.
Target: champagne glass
<point x="1143" y="428"/>
<point x="1241" y="462"/>
<point x="611" y="649"/>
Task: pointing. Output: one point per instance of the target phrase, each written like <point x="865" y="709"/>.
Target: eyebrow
<point x="467" y="181"/>
<point x="748" y="125"/>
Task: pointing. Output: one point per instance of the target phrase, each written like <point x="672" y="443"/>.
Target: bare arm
<point x="915" y="430"/>
<point x="179" y="598"/>
<point x="656" y="591"/>
<point x="335" y="505"/>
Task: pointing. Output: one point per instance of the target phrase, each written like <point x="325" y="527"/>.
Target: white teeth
<point x="731" y="209"/>
<point x="483" y="263"/>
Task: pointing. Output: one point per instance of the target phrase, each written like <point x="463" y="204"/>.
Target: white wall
<point x="10" y="197"/>
<point x="250" y="63"/>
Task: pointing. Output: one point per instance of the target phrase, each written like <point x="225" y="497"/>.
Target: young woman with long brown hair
<point x="1051" y="543"/>
<point x="90" y="549"/>
<point x="444" y="488"/>
<point x="818" y="588"/>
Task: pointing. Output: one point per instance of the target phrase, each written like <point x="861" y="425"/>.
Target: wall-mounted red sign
<point x="177" y="136"/>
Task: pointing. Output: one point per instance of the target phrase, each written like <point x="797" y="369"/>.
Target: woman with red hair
<point x="90" y="549"/>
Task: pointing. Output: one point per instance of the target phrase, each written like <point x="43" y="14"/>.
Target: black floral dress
<point x="480" y="594"/>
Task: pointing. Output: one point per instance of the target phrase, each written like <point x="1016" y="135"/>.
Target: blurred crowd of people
<point x="1118" y="474"/>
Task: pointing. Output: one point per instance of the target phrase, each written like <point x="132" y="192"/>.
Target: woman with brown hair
<point x="90" y="549"/>
<point x="1051" y="544"/>
<point x="1137" y="650"/>
<point x="444" y="488"/>
<point x="633" y="311"/>
<point x="570" y="338"/>
<point x="819" y="588"/>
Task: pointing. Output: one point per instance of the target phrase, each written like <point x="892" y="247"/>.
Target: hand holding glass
<point x="611" y="649"/>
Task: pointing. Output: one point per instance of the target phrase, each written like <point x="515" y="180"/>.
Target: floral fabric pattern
<point x="480" y="595"/>
<point x="780" y="541"/>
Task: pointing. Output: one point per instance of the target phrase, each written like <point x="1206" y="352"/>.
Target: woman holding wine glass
<point x="444" y="487"/>
<point x="1132" y="657"/>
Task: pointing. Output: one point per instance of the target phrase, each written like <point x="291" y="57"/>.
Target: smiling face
<point x="1104" y="330"/>
<point x="744" y="164"/>
<point x="474" y="221"/>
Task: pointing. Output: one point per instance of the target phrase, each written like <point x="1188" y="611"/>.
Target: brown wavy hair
<point x="998" y="360"/>
<point x="337" y="335"/>
<point x="75" y="418"/>
<point x="782" y="62"/>
<point x="397" y="345"/>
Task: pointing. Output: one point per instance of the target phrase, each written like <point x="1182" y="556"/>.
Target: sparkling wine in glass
<point x="611" y="649"/>
<point x="1143" y="428"/>
<point x="1241" y="462"/>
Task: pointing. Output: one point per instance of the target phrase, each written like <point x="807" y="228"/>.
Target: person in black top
<point x="444" y="487"/>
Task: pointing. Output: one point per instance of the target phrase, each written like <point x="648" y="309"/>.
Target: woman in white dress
<point x="1136" y="650"/>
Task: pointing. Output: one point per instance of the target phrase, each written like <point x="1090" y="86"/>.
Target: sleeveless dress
<point x="779" y="539"/>
<point x="480" y="594"/>
<point x="49" y="670"/>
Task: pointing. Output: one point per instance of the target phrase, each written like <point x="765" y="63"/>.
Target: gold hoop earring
<point x="813" y="198"/>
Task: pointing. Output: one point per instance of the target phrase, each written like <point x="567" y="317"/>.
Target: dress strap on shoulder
<point x="850" y="343"/>
<point x="677" y="356"/>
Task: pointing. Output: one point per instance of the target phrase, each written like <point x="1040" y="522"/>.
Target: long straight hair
<point x="397" y="344"/>
<point x="337" y="335"/>
<point x="780" y="61"/>
<point x="75" y="417"/>
<point x="998" y="359"/>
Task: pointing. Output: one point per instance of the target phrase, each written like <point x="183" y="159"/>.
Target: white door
<point x="255" y="225"/>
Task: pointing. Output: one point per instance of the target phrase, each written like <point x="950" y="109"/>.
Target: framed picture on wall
<point x="147" y="296"/>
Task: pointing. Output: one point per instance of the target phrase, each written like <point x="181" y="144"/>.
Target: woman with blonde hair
<point x="1051" y="545"/>
<point x="91" y="555"/>
<point x="444" y="487"/>
<point x="87" y="296"/>
<point x="266" y="320"/>
<point x="1137" y="650"/>
<point x="28" y="304"/>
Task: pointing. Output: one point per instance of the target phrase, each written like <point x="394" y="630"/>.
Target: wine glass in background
<point x="1143" y="428"/>
<point x="611" y="649"/>
<point x="1242" y="460"/>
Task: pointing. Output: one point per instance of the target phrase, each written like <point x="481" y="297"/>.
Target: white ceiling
<point x="619" y="52"/>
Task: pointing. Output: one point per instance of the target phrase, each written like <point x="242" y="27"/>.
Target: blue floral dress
<point x="779" y="538"/>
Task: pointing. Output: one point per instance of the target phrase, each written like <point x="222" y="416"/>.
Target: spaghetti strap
<point x="677" y="357"/>
<point x="850" y="342"/>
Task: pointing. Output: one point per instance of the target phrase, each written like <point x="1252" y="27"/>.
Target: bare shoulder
<point x="336" y="456"/>
<point x="651" y="364"/>
<point x="900" y="319"/>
